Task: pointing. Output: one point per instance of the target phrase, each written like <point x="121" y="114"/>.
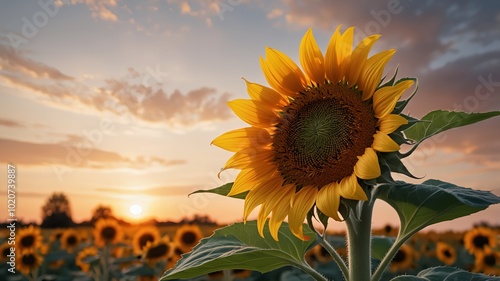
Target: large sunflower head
<point x="107" y="231"/>
<point x="316" y="133"/>
<point x="29" y="238"/>
<point x="70" y="239"/>
<point x="143" y="236"/>
<point x="187" y="236"/>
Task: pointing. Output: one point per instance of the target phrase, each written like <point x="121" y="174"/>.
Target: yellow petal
<point x="255" y="197"/>
<point x="328" y="200"/>
<point x="251" y="177"/>
<point x="391" y="123"/>
<point x="385" y="98"/>
<point x="282" y="73"/>
<point x="269" y="204"/>
<point x="350" y="188"/>
<point x="383" y="143"/>
<point x="338" y="53"/>
<point x="255" y="113"/>
<point x="243" y="158"/>
<point x="267" y="95"/>
<point x="358" y="59"/>
<point x="281" y="209"/>
<point x="311" y="58"/>
<point x="374" y="68"/>
<point x="239" y="139"/>
<point x="367" y="166"/>
<point x="302" y="202"/>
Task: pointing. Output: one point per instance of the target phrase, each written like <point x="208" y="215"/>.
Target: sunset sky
<point x="116" y="102"/>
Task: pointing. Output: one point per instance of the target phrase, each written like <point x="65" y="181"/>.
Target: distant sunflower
<point x="70" y="239"/>
<point x="241" y="273"/>
<point x="488" y="262"/>
<point x="28" y="238"/>
<point x="313" y="135"/>
<point x="321" y="254"/>
<point x="84" y="254"/>
<point x="159" y="250"/>
<point x="56" y="234"/>
<point x="28" y="261"/>
<point x="403" y="259"/>
<point x="187" y="236"/>
<point x="143" y="236"/>
<point x="4" y="251"/>
<point x="446" y="253"/>
<point x="479" y="238"/>
<point x="107" y="231"/>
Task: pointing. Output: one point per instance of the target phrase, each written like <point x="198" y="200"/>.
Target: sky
<point x="116" y="102"/>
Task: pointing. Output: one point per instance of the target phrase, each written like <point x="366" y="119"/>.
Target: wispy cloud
<point x="75" y="156"/>
<point x="11" y="123"/>
<point x="140" y="95"/>
<point x="100" y="9"/>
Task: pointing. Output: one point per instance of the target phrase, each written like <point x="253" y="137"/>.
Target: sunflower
<point x="313" y="136"/>
<point x="143" y="236"/>
<point x="83" y="255"/>
<point x="479" y="238"/>
<point x="321" y="254"/>
<point x="4" y="252"/>
<point x="241" y="273"/>
<point x="403" y="259"/>
<point x="107" y="231"/>
<point x="187" y="236"/>
<point x="488" y="262"/>
<point x="28" y="261"/>
<point x="156" y="251"/>
<point x="446" y="253"/>
<point x="28" y="238"/>
<point x="70" y="240"/>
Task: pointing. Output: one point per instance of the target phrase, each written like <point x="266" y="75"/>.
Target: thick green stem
<point x="359" y="243"/>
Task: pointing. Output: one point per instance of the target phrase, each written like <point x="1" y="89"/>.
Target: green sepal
<point x="222" y="190"/>
<point x="400" y="105"/>
<point x="395" y="164"/>
<point x="390" y="82"/>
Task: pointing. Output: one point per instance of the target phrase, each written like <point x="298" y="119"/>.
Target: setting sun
<point x="135" y="210"/>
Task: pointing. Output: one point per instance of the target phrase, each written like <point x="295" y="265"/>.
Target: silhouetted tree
<point x="102" y="211"/>
<point x="56" y="212"/>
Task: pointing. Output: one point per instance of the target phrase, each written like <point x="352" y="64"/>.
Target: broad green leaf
<point x="222" y="190"/>
<point x="440" y="121"/>
<point x="433" y="201"/>
<point x="445" y="273"/>
<point x="392" y="160"/>
<point x="239" y="246"/>
<point x="380" y="246"/>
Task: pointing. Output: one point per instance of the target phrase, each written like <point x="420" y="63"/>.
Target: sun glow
<point x="135" y="209"/>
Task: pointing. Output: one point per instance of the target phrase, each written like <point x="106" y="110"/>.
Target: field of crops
<point x="109" y="251"/>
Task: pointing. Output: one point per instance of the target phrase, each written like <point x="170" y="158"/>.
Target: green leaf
<point x="445" y="273"/>
<point x="222" y="190"/>
<point x="239" y="246"/>
<point x="380" y="246"/>
<point x="440" y="121"/>
<point x="433" y="201"/>
<point x="395" y="164"/>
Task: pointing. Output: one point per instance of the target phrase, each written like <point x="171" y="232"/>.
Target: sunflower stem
<point x="309" y="270"/>
<point x="359" y="243"/>
<point x="335" y="255"/>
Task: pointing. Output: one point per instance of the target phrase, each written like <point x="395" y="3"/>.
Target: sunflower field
<point x="109" y="251"/>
